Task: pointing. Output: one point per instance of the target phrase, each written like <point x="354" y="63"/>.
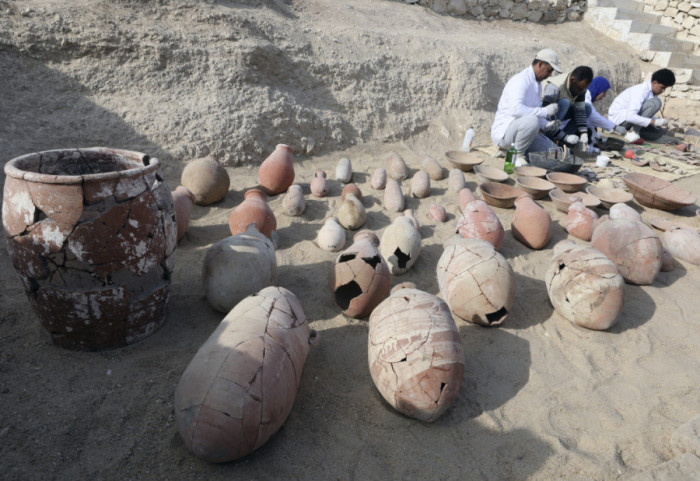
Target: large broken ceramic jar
<point x="400" y="245"/>
<point x="92" y="235"/>
<point x="360" y="277"/>
<point x="632" y="246"/>
<point x="238" y="266"/>
<point x="478" y="221"/>
<point x="415" y="353"/>
<point x="476" y="281"/>
<point x="683" y="244"/>
<point x="584" y="286"/>
<point x="240" y="386"/>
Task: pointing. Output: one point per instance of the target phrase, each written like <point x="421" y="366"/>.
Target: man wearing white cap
<point x="519" y="116"/>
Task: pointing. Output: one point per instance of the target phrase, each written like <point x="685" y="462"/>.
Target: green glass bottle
<point x="510" y="159"/>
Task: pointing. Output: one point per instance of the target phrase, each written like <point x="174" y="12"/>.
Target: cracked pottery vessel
<point x="238" y="266"/>
<point x="331" y="237"/>
<point x="415" y="353"/>
<point x="276" y="173"/>
<point x="623" y="211"/>
<point x="531" y="224"/>
<point x="420" y="185"/>
<point x="360" y="277"/>
<point x="478" y="221"/>
<point x="183" y="199"/>
<point x="240" y="386"/>
<point x="476" y="281"/>
<point x="254" y="208"/>
<point x="393" y="196"/>
<point x="343" y="170"/>
<point x="579" y="221"/>
<point x="584" y="286"/>
<point x="207" y="179"/>
<point x="455" y="180"/>
<point x="351" y="213"/>
<point x="378" y="181"/>
<point x="400" y="245"/>
<point x="683" y="244"/>
<point x="396" y="167"/>
<point x="432" y="167"/>
<point x="92" y="235"/>
<point x="294" y="202"/>
<point x="632" y="246"/>
<point x="319" y="184"/>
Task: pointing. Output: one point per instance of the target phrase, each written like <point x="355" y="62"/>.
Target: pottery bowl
<point x="562" y="200"/>
<point x="566" y="182"/>
<point x="534" y="186"/>
<point x="486" y="173"/>
<point x="530" y="171"/>
<point x="609" y="197"/>
<point x="500" y="195"/>
<point x="463" y="161"/>
<point x="657" y="193"/>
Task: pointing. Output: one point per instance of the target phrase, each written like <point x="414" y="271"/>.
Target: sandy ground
<point x="541" y="398"/>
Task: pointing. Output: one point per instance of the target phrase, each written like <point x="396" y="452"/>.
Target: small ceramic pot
<point x="254" y="208"/>
<point x="276" y="173"/>
<point x="319" y="184"/>
<point x="531" y="224"/>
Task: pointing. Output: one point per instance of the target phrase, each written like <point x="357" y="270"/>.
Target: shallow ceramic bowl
<point x="534" y="186"/>
<point x="463" y="161"/>
<point x="566" y="182"/>
<point x="486" y="173"/>
<point x="657" y="193"/>
<point x="562" y="200"/>
<point x="530" y="171"/>
<point x="609" y="197"/>
<point x="500" y="195"/>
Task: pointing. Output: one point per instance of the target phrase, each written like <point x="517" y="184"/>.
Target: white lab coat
<point x="521" y="96"/>
<point x="596" y="119"/>
<point x="626" y="106"/>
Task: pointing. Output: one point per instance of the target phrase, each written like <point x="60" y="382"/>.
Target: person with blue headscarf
<point x="596" y="91"/>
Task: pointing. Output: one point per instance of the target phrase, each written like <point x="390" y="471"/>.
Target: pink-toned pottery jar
<point x="276" y="172"/>
<point x="254" y="208"/>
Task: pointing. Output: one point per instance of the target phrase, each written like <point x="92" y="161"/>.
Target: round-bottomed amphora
<point x="92" y="235"/>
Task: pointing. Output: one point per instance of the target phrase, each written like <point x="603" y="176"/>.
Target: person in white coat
<point x="519" y="116"/>
<point x="635" y="107"/>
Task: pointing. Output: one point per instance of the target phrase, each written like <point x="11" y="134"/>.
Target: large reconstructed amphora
<point x="92" y="235"/>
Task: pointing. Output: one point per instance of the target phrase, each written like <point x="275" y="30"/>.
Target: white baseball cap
<point x="550" y="56"/>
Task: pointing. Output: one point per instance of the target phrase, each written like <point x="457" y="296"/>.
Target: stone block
<point x="504" y="13"/>
<point x="508" y="4"/>
<point x="684" y="6"/>
<point x="661" y="5"/>
<point x="695" y="30"/>
<point x="519" y="11"/>
<point x="688" y="23"/>
<point x="456" y="7"/>
<point x="534" y="16"/>
<point x="671" y="12"/>
<point x="680" y="16"/>
<point x="476" y="11"/>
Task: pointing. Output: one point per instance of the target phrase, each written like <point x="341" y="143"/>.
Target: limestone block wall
<point x="556" y="11"/>
<point x="683" y="15"/>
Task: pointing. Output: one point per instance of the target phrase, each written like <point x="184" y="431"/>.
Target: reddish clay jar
<point x="92" y="236"/>
<point x="276" y="172"/>
<point x="531" y="224"/>
<point x="254" y="208"/>
<point x="319" y="184"/>
<point x="352" y="187"/>
<point x="479" y="222"/>
<point x="183" y="198"/>
<point x="579" y="221"/>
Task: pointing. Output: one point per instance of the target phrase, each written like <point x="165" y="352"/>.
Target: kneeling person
<point x="568" y="91"/>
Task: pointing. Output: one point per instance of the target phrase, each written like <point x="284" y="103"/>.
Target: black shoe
<point x="651" y="132"/>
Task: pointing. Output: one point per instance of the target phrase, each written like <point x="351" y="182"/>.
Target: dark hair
<point x="664" y="77"/>
<point x="582" y="73"/>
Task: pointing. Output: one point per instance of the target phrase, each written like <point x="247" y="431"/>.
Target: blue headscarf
<point x="598" y="86"/>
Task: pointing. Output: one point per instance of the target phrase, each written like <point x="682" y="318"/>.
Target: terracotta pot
<point x="351" y="213"/>
<point x="420" y="185"/>
<point x="331" y="237"/>
<point x="393" y="196"/>
<point x="683" y="244"/>
<point x="343" y="171"/>
<point x="319" y="184"/>
<point x="432" y="167"/>
<point x="455" y="180"/>
<point x="584" y="286"/>
<point x="579" y="221"/>
<point x="92" y="236"/>
<point x="531" y="224"/>
<point x="351" y="187"/>
<point x="465" y="196"/>
<point x="476" y="281"/>
<point x="254" y="208"/>
<point x="183" y="199"/>
<point x="378" y="181"/>
<point x="207" y="179"/>
<point x="360" y="278"/>
<point x="396" y="167"/>
<point x="237" y="267"/>
<point x="400" y="245"/>
<point x="623" y="211"/>
<point x="276" y="173"/>
<point x="437" y="213"/>
<point x="240" y="386"/>
<point x="479" y="222"/>
<point x="634" y="248"/>
<point x="416" y="364"/>
<point x="294" y="202"/>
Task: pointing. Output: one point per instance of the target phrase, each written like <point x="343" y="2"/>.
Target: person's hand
<point x="583" y="142"/>
<point x="551" y="110"/>
<point x="660" y="122"/>
<point x="571" y="139"/>
<point x="552" y="125"/>
<point x="620" y="129"/>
